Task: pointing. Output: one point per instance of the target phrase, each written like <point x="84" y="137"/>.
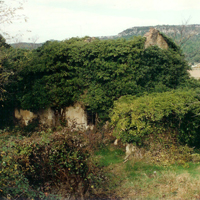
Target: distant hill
<point x="166" y="29"/>
<point x="188" y="37"/>
<point x="26" y="45"/>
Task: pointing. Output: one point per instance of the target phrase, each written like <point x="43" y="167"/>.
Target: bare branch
<point x="8" y="14"/>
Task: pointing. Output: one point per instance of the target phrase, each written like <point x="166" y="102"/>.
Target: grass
<point x="140" y="179"/>
<point x="141" y="169"/>
<point x="108" y="156"/>
<point x="191" y="168"/>
<point x="146" y="181"/>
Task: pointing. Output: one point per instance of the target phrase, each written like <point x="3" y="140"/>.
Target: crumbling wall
<point x="195" y="71"/>
<point x="47" y="117"/>
<point x="76" y="117"/>
<point x="24" y="116"/>
<point x="153" y="37"/>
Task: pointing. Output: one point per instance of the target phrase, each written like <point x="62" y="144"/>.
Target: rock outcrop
<point x="153" y="37"/>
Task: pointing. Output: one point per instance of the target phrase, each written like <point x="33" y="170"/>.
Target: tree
<point x="8" y="14"/>
<point x="4" y="74"/>
<point x="187" y="37"/>
<point x="181" y="34"/>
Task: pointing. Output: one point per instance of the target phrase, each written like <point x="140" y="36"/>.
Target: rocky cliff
<point x="166" y="29"/>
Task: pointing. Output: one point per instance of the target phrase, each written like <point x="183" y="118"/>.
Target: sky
<point x="63" y="19"/>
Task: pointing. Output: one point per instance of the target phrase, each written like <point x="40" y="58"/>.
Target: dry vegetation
<point x="154" y="175"/>
<point x="171" y="173"/>
<point x="159" y="184"/>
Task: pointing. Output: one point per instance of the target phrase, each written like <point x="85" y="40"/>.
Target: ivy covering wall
<point x="95" y="72"/>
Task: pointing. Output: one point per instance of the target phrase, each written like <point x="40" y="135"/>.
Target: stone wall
<point x="153" y="37"/>
<point x="45" y="117"/>
<point x="24" y="116"/>
<point x="76" y="117"/>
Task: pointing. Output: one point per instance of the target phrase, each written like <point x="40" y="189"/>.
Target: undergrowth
<point x="54" y="164"/>
<point x="47" y="164"/>
<point x="166" y="170"/>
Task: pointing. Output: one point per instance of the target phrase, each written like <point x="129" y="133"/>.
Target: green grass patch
<point x="192" y="168"/>
<point x="108" y="156"/>
<point x="140" y="169"/>
<point x="141" y="179"/>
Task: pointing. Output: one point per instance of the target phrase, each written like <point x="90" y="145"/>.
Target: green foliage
<point x="191" y="49"/>
<point x="96" y="72"/>
<point x="3" y="42"/>
<point x="171" y="43"/>
<point x="164" y="149"/>
<point x="48" y="77"/>
<point x="4" y="73"/>
<point x="10" y="64"/>
<point x="174" y="113"/>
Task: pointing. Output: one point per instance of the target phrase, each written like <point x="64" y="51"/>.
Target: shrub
<point x="33" y="167"/>
<point x="175" y="112"/>
<point x="163" y="149"/>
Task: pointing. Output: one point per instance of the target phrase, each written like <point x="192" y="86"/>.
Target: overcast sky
<point x="63" y="19"/>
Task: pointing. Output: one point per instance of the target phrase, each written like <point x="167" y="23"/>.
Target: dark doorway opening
<point x="91" y="118"/>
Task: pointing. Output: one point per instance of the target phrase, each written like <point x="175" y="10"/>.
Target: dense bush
<point x="175" y="113"/>
<point x="44" y="163"/>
